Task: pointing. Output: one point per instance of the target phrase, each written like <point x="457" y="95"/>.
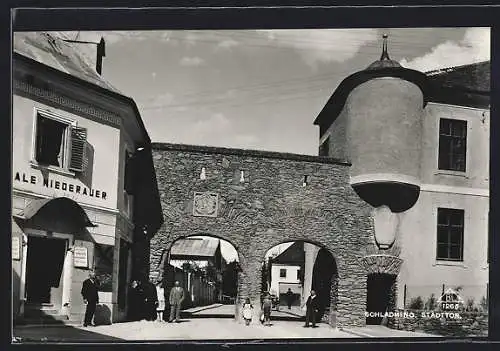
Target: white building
<point x="78" y="203"/>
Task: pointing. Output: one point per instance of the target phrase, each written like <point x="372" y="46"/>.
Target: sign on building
<point x="80" y="257"/>
<point x="16" y="248"/>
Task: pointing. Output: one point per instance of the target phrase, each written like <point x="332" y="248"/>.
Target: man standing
<point x="175" y="299"/>
<point x="289" y="298"/>
<point x="90" y="297"/>
<point x="312" y="309"/>
<point x="150" y="300"/>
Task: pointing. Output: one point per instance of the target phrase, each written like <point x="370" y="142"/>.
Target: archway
<point x="380" y="297"/>
<point x="290" y="272"/>
<point x="208" y="269"/>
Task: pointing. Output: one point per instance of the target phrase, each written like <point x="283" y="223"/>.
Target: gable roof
<point x="194" y="247"/>
<point x="52" y="51"/>
<point x="294" y="254"/>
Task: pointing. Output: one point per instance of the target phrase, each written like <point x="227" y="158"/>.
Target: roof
<point x="294" y="254"/>
<point x="195" y="247"/>
<point x="474" y="76"/>
<point x="467" y="85"/>
<point x="383" y="67"/>
<point x="52" y="51"/>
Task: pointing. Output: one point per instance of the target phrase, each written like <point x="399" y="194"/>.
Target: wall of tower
<point x="384" y="131"/>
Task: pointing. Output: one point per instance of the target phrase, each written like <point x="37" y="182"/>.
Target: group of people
<point x="311" y="305"/>
<point x="147" y="300"/>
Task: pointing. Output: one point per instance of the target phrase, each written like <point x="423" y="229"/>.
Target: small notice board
<point x="16" y="248"/>
<point x="80" y="257"/>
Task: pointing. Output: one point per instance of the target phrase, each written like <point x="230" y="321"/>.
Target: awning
<point x="295" y="287"/>
<point x="62" y="207"/>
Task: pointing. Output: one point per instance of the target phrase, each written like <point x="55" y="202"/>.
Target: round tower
<point x="375" y="118"/>
<point x="384" y="133"/>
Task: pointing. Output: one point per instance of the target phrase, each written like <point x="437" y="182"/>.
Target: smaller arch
<point x="318" y="272"/>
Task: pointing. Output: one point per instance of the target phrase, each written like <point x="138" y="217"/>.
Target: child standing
<point x="160" y="291"/>
<point x="266" y="307"/>
<point x="247" y="311"/>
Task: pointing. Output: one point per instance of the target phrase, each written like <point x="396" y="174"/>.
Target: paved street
<point x="214" y="322"/>
<point x="194" y="329"/>
<point x="201" y="325"/>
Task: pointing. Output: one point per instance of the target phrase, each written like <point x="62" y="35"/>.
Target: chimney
<point x="101" y="52"/>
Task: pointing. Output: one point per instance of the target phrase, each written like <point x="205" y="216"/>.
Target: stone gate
<point x="256" y="200"/>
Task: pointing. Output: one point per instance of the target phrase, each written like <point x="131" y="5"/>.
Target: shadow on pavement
<point x="59" y="334"/>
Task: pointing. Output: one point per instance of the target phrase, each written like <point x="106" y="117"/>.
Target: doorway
<point x="44" y="270"/>
<point x="379" y="296"/>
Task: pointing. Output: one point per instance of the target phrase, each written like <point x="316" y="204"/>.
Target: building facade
<point x="287" y="271"/>
<point x="77" y="146"/>
<point x="396" y="201"/>
<point x="419" y="148"/>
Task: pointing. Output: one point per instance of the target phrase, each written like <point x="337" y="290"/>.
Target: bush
<point x="431" y="303"/>
<point x="416" y="303"/>
<point x="469" y="305"/>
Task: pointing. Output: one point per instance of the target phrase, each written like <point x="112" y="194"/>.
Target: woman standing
<point x="160" y="292"/>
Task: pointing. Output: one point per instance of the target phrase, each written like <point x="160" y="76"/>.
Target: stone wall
<point x="269" y="207"/>
<point x="470" y="324"/>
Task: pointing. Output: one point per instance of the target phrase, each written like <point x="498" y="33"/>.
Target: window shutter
<point x="77" y="161"/>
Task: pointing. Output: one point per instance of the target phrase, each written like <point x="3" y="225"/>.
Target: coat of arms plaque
<point x="205" y="204"/>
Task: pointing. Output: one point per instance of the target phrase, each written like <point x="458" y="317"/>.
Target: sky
<point x="259" y="89"/>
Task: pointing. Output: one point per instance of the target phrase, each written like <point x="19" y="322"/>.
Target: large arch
<point x="164" y="271"/>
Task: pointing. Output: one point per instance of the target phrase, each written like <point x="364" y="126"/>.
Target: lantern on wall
<point x="386" y="224"/>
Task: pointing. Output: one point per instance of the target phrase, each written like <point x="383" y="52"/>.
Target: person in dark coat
<point x="90" y="297"/>
<point x="289" y="298"/>
<point x="135" y="301"/>
<point x="150" y="301"/>
<point x="312" y="307"/>
<point x="175" y="300"/>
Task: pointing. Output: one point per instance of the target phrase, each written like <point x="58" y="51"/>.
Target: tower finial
<point x="385" y="54"/>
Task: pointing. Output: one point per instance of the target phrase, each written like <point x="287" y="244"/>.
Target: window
<point x="324" y="149"/>
<point x="282" y="273"/>
<point x="452" y="144"/>
<point x="59" y="143"/>
<point x="450" y="234"/>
